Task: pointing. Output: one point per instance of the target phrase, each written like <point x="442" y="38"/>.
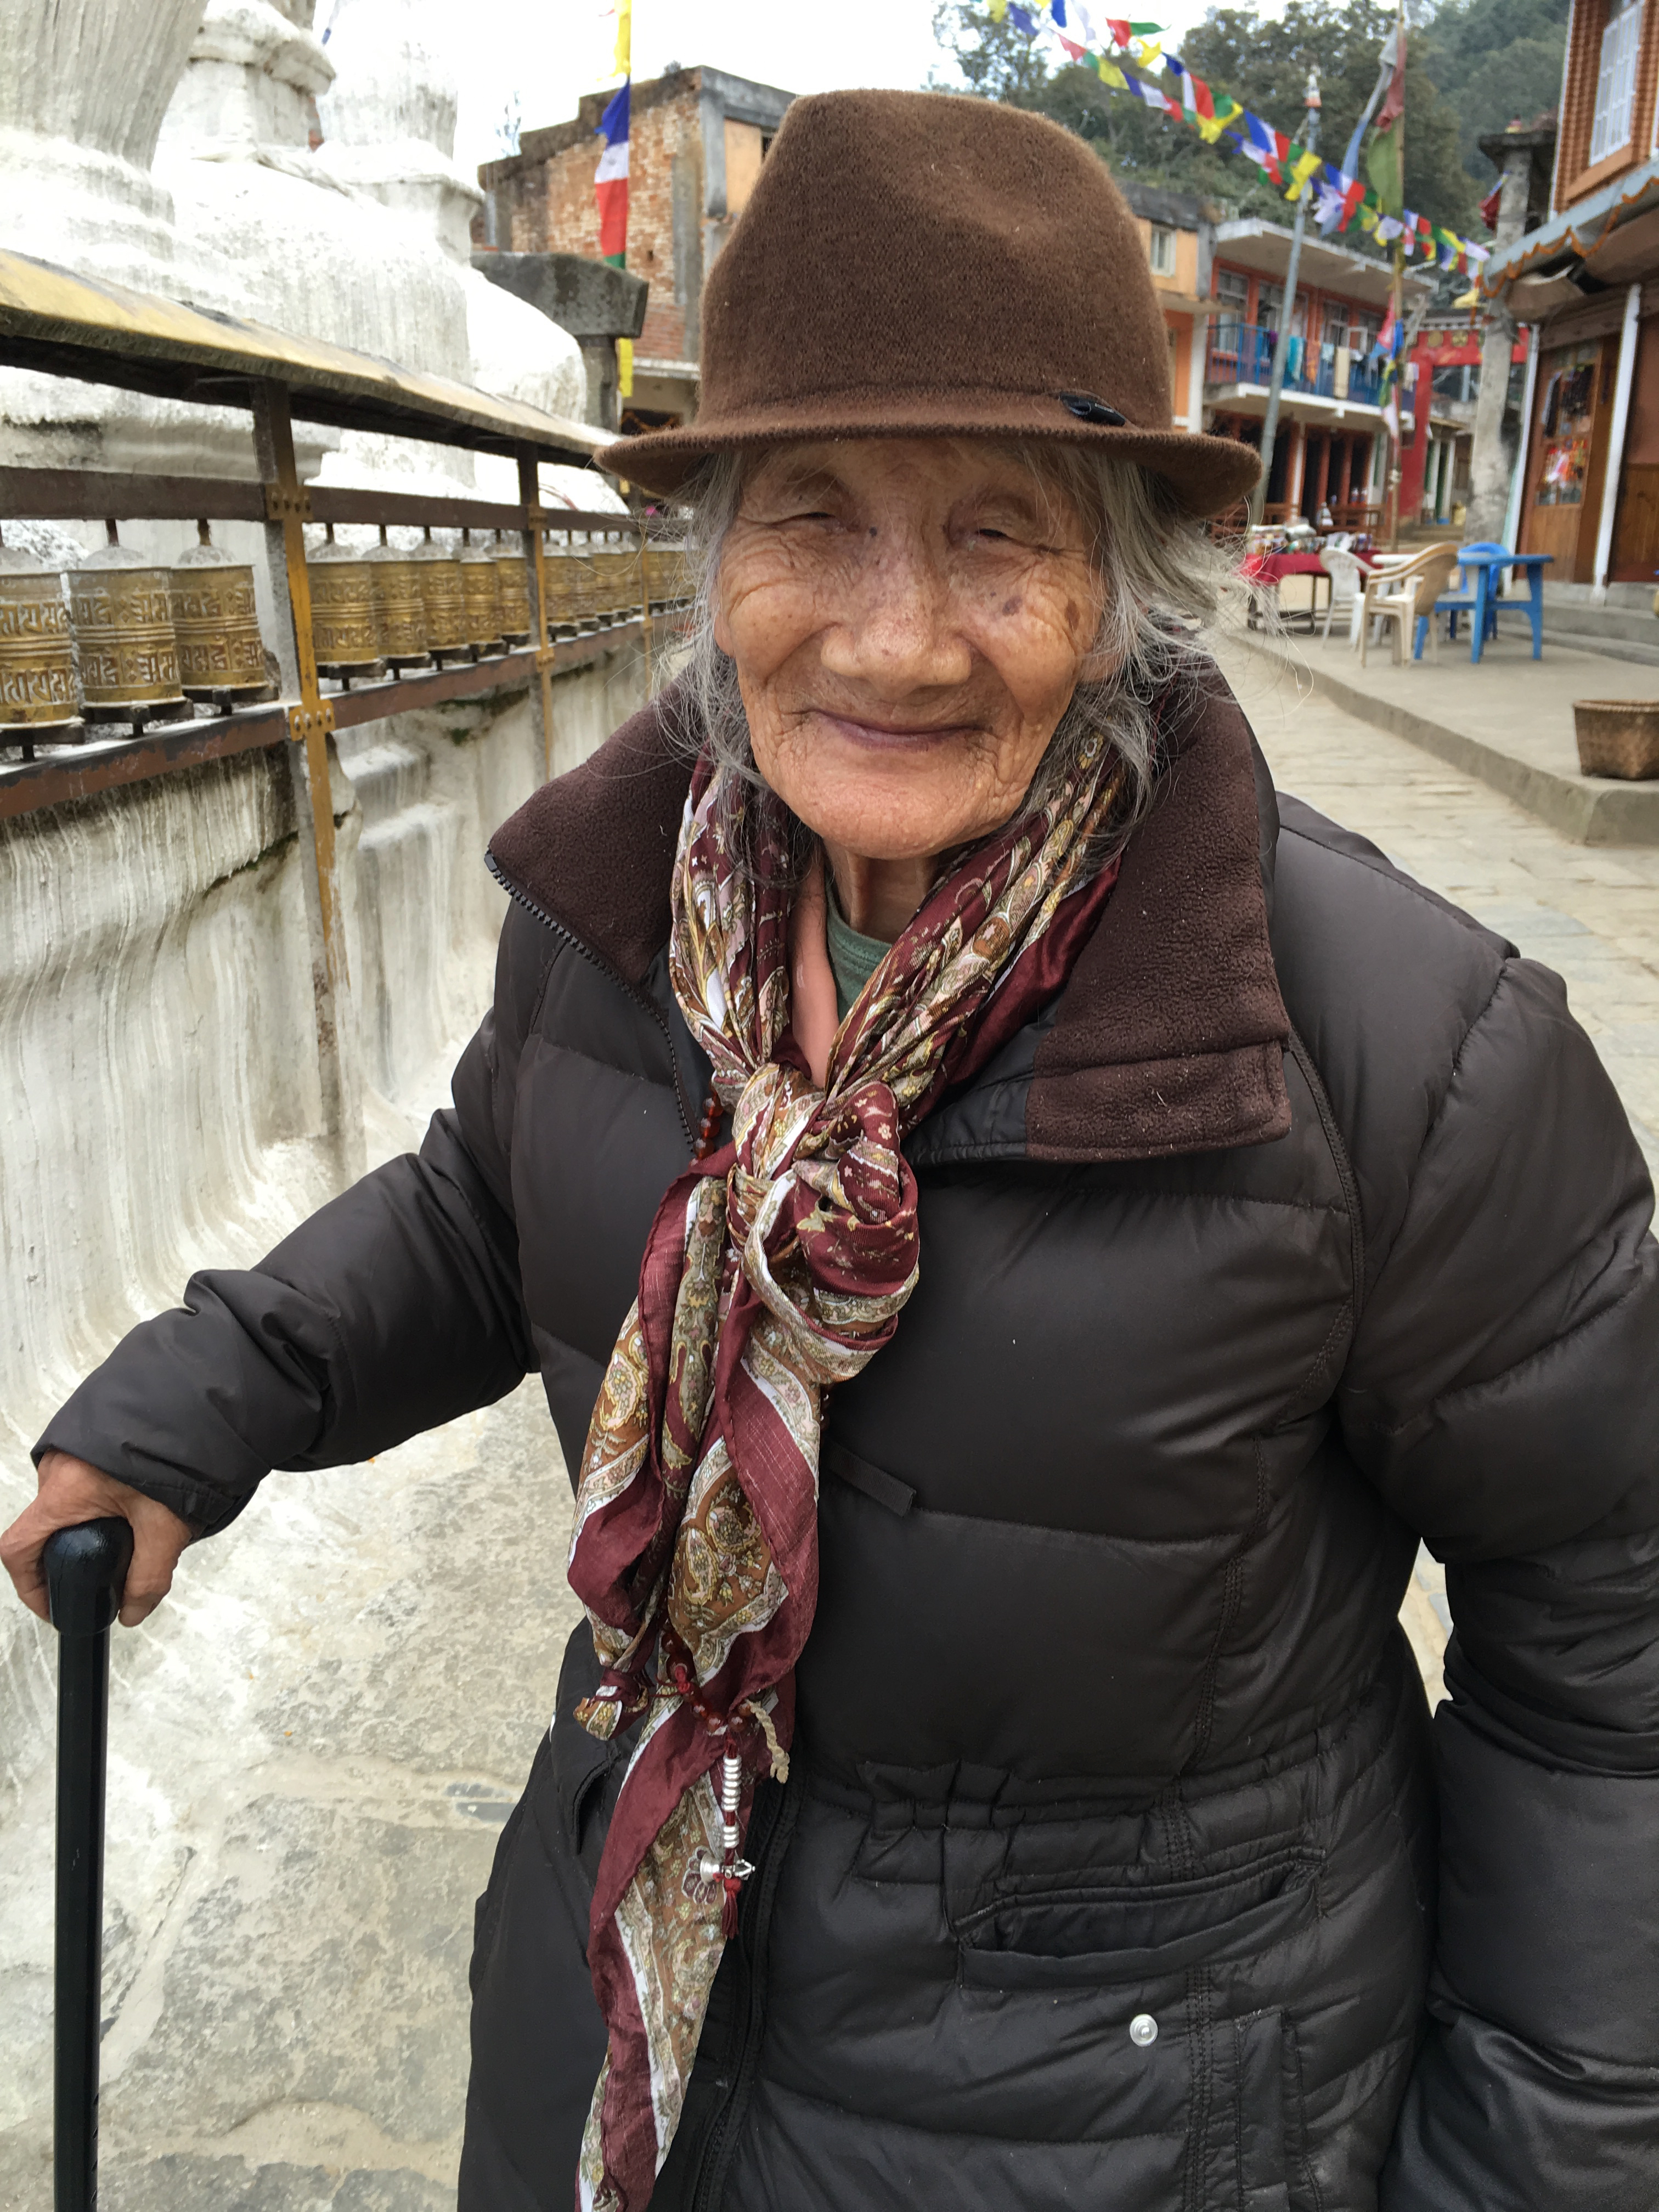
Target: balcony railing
<point x="1242" y="352"/>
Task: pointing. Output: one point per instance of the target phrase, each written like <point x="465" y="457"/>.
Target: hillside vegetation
<point x="1472" y="65"/>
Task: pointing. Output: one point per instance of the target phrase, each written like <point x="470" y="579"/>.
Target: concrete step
<point x="1640" y="625"/>
<point x="1645" y="655"/>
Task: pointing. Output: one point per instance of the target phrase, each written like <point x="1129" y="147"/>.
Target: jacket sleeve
<point x="1502" y="1392"/>
<point x="394" y="1308"/>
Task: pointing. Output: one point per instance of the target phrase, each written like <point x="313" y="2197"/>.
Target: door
<point x="1568" y="459"/>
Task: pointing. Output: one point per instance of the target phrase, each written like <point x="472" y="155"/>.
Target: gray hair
<point x="1162" y="577"/>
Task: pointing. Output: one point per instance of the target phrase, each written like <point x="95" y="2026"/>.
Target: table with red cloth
<point x="1265" y="572"/>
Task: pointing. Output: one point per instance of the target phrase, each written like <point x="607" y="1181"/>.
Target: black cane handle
<point x="86" y="1572"/>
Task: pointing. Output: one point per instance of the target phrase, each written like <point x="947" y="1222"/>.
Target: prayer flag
<point x="1078" y="53"/>
<point x="1020" y="20"/>
<point x="1057" y="8"/>
<point x="1110" y="74"/>
<point x="610" y="182"/>
<point x="1301" y="170"/>
<point x="999" y="10"/>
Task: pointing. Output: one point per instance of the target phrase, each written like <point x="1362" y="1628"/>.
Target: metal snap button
<point x="1143" y="2029"/>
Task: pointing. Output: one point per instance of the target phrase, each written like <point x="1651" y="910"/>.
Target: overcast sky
<point x="552" y="52"/>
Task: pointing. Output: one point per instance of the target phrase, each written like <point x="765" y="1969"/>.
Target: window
<point x="1162" y="251"/>
<point x="1615" y="83"/>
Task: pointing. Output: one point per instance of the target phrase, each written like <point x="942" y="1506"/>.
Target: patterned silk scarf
<point x="775" y="1268"/>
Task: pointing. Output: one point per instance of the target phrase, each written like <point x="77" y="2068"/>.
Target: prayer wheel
<point x="37" y="656"/>
<point x="513" y="578"/>
<point x="566" y="583"/>
<point x="617" y="568"/>
<point x="481" y="596"/>
<point x="222" y="656"/>
<point x="444" y="601"/>
<point x="345" y="622"/>
<point x="121" y="610"/>
<point x="400" y="606"/>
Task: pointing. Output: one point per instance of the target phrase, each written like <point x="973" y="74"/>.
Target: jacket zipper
<point x="775" y="1819"/>
<point x="644" y="998"/>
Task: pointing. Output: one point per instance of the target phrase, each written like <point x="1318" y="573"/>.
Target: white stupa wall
<point x="156" y="1027"/>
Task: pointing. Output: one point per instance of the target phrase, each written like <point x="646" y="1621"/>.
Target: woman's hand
<point x="71" y="1491"/>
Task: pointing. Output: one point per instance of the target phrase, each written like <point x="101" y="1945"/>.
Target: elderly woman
<point x="1022" y="1232"/>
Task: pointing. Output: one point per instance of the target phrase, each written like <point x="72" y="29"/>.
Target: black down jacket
<point x="1119" y="1866"/>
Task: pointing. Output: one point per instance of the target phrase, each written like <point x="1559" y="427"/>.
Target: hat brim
<point x="1208" y="475"/>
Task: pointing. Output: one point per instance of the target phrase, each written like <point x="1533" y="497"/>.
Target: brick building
<point x="1586" y="277"/>
<point x="697" y="137"/>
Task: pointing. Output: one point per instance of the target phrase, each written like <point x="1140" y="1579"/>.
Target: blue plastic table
<point x="1480" y="565"/>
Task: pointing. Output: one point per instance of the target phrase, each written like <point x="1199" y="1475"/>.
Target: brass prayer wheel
<point x="481" y="596"/>
<point x="443" y="597"/>
<point x="121" y="610"/>
<point x="345" y="624"/>
<point x="37" y="657"/>
<point x="565" y="582"/>
<point x="513" y="579"/>
<point x="618" y="571"/>
<point x="222" y="656"/>
<point x="401" y="607"/>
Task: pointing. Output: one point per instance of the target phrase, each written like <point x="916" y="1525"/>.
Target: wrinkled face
<point x="909" y="619"/>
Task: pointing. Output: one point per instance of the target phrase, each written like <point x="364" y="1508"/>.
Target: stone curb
<point x="1590" y="809"/>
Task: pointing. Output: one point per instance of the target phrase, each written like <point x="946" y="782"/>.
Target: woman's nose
<point x="898" y="631"/>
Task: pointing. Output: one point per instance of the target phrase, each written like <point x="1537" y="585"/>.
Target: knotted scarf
<point x="776" y="1267"/>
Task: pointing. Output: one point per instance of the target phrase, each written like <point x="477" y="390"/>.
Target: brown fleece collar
<point x="1169" y="1035"/>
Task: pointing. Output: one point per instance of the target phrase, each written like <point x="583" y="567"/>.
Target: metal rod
<point x="530" y="492"/>
<point x="86" y="1568"/>
<point x="1286" y="312"/>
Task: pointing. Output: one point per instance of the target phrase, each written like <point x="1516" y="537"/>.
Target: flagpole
<point x="1397" y="437"/>
<point x="1282" y="344"/>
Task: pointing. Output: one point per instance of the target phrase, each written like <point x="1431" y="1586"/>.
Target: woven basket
<point x="1617" y="737"/>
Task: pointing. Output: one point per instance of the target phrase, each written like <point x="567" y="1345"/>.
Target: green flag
<point x="1384" y="168"/>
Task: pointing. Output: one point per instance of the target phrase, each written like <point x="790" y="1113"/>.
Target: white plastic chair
<point x="1389" y="600"/>
<point x="1347" y="585"/>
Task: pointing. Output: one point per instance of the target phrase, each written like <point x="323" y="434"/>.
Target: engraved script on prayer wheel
<point x="121" y="608"/>
<point x="402" y="609"/>
<point x="37" y="658"/>
<point x="221" y="657"/>
<point x="446" y="608"/>
<point x="345" y="627"/>
<point x="513" y="577"/>
<point x="481" y="596"/>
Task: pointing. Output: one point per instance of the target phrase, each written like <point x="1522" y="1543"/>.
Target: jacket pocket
<point x="1258" y="2066"/>
<point x="1110" y="1939"/>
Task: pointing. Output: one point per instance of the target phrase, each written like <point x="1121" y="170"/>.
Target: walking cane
<point x="86" y="1568"/>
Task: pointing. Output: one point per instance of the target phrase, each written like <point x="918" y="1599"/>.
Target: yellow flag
<point x="1148" y="51"/>
<point x="624" y="63"/>
<point x="1110" y="72"/>
<point x="1299" y="175"/>
<point x="625" y="368"/>
<point x="999" y="10"/>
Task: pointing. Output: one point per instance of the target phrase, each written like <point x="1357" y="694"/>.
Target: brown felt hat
<point x="911" y="264"/>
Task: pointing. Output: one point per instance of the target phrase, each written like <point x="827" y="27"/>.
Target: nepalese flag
<point x="610" y="180"/>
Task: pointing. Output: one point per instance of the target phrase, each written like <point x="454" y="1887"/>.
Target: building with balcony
<point x="1331" y="448"/>
<point x="1586" y="277"/>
